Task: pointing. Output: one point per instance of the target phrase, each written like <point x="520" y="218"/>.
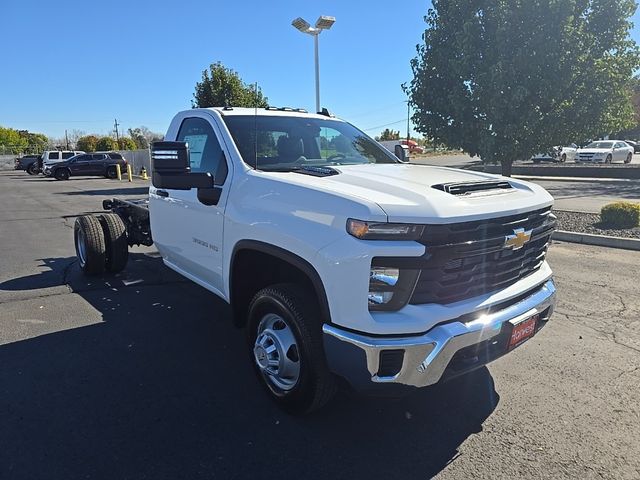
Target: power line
<point x="385" y="125"/>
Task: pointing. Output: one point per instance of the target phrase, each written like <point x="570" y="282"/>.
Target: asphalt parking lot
<point x="142" y="376"/>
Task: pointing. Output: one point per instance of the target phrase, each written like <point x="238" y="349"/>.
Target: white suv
<point x="51" y="157"/>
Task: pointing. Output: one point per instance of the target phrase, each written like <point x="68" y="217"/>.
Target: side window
<point x="66" y="155"/>
<point x="204" y="149"/>
<point x="98" y="156"/>
<point x="54" y="155"/>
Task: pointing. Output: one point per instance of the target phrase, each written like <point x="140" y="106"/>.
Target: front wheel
<point x="62" y="174"/>
<point x="608" y="159"/>
<point x="111" y="173"/>
<point x="563" y="158"/>
<point x="285" y="338"/>
<point x="629" y="158"/>
<point x="32" y="169"/>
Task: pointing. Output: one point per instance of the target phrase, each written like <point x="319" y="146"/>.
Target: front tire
<point x="116" y="244"/>
<point x="608" y="159"/>
<point x="32" y="169"/>
<point x="285" y="337"/>
<point x="90" y="244"/>
<point x="563" y="158"/>
<point x="111" y="173"/>
<point x="62" y="174"/>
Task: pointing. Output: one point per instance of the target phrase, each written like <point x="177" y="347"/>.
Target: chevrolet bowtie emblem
<point x="518" y="239"/>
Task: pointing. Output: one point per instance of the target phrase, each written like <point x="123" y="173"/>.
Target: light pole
<point x="323" y="23"/>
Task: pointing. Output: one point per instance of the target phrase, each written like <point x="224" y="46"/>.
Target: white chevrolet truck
<point x="343" y="263"/>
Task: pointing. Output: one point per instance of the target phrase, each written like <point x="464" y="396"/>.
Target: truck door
<point x="187" y="232"/>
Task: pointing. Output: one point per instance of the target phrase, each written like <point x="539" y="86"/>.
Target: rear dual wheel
<point x="101" y="243"/>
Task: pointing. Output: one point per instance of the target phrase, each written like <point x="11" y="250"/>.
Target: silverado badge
<point x="518" y="239"/>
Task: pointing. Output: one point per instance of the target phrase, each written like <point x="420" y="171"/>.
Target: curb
<point x="576" y="179"/>
<point x="598" y="240"/>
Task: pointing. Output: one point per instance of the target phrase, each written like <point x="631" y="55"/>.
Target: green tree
<point x="88" y="143"/>
<point x="389" y="135"/>
<point x="221" y="86"/>
<point x="106" y="144"/>
<point x="36" y="142"/>
<point x="633" y="132"/>
<point x="126" y="143"/>
<point x="143" y="137"/>
<point x="11" y="141"/>
<point x="504" y="79"/>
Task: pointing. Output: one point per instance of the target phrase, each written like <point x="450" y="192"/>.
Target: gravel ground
<point x="590" y="223"/>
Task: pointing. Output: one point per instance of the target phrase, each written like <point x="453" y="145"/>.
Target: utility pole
<point x="408" y="113"/>
<point x="66" y="138"/>
<point x="116" y="124"/>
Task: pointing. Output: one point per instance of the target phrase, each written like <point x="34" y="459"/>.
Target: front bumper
<point x="447" y="350"/>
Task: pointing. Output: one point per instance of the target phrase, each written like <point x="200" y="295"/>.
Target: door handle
<point x="162" y="193"/>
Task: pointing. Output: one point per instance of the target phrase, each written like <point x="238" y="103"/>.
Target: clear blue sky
<point x="78" y="65"/>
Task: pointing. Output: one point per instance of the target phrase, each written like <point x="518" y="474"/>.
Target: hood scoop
<point x="475" y="188"/>
<point x="317" y="171"/>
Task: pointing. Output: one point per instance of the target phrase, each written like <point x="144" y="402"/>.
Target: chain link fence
<point x="7" y="162"/>
<point x="137" y="159"/>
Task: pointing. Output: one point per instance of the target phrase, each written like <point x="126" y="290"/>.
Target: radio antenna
<point x="255" y="126"/>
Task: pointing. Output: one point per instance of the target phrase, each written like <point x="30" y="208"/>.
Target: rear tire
<point x="32" y="169"/>
<point x="294" y="373"/>
<point x="90" y="244"/>
<point x="116" y="244"/>
<point x="629" y="158"/>
<point x="563" y="158"/>
<point x="62" y="174"/>
<point x="111" y="173"/>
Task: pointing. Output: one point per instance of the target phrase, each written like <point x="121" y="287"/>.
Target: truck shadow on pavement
<point x="162" y="387"/>
<point x="110" y="192"/>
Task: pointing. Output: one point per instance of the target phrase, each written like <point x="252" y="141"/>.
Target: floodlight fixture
<point x="301" y="24"/>
<point x="325" y="22"/>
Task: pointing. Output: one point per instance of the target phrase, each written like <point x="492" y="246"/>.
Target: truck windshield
<point x="279" y="143"/>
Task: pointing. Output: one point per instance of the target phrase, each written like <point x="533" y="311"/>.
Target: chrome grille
<point x="464" y="260"/>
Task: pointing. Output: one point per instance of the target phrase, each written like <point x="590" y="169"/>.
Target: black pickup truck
<point x="88" y="164"/>
<point x="29" y="163"/>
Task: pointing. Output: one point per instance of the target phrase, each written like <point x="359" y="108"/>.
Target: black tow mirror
<point x="171" y="168"/>
<point x="402" y="152"/>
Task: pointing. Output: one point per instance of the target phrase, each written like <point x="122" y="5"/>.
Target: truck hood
<point x="406" y="192"/>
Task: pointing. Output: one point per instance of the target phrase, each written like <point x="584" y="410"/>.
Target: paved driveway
<point x="141" y="375"/>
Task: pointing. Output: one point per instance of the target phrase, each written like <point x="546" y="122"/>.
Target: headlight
<point x="598" y="155"/>
<point x="390" y="288"/>
<point x="384" y="231"/>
